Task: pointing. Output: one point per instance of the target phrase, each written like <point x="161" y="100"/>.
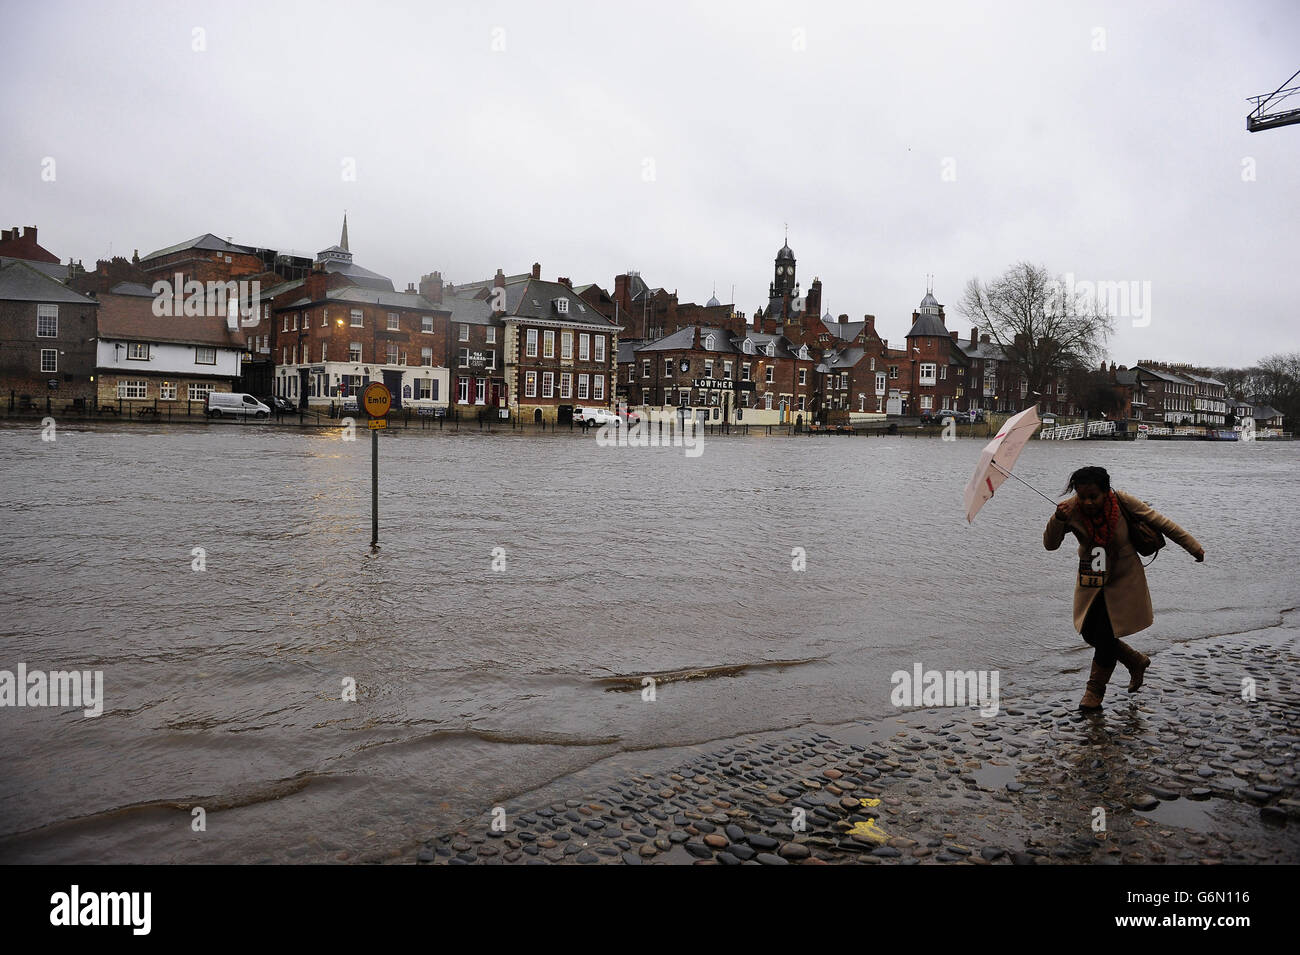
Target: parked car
<point x="278" y="405"/>
<point x="596" y="416"/>
<point x="226" y="404"/>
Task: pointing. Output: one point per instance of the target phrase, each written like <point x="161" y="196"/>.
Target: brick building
<point x="16" y="245"/>
<point x="331" y="338"/>
<point x="765" y="377"/>
<point x="558" y="351"/>
<point x="47" y="339"/>
<point x="646" y="313"/>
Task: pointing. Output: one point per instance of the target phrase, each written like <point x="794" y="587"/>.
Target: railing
<point x="1064" y="432"/>
<point x="1076" y="431"/>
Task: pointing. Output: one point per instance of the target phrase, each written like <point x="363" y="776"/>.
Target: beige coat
<point x="1128" y="601"/>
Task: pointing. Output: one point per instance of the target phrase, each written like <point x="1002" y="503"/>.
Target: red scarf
<point x="1103" y="526"/>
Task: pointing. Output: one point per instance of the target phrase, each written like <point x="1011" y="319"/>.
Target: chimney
<point x="871" y="324"/>
<point x="537" y="270"/>
<point x="974" y="335"/>
<point x="499" y="280"/>
<point x="315" y="285"/>
<point x="696" y="343"/>
<point x="956" y="336"/>
<point x="984" y="339"/>
<point x="758" y="319"/>
<point x="620" y="291"/>
<point x="135" y="257"/>
<point x="410" y="288"/>
<point x="844" y="319"/>
<point x="29" y="231"/>
<point x="566" y="282"/>
<point x="431" y="287"/>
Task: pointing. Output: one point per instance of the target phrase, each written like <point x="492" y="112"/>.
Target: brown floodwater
<point x="224" y="688"/>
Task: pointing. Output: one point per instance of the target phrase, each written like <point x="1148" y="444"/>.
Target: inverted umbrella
<point x="998" y="458"/>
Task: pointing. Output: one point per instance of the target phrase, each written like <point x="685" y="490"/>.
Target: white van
<point x="224" y="404"/>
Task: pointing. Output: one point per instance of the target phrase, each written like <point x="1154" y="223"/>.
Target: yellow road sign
<point x="377" y="424"/>
<point x="376" y="399"/>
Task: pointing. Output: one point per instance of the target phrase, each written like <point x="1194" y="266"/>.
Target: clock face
<point x="685" y="365"/>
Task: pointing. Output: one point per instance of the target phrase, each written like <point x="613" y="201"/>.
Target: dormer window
<point x="747" y="347"/>
<point x="771" y="349"/>
<point x="562" y="306"/>
<point x="708" y="342"/>
<point x="803" y="352"/>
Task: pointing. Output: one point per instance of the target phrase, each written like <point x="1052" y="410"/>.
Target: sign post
<point x="376" y="399"/>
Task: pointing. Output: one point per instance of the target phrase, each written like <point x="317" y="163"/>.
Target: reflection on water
<point x="225" y="688"/>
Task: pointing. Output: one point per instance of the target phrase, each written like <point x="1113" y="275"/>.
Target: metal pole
<point x="374" y="490"/>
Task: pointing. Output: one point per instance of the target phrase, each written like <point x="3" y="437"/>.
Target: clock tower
<point x="783" y="281"/>
<point x="784" y="288"/>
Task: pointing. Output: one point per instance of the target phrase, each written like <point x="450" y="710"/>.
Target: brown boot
<point x="1096" y="686"/>
<point x="1135" y="662"/>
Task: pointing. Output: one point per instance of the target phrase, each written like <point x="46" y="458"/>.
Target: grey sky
<point x="1123" y="164"/>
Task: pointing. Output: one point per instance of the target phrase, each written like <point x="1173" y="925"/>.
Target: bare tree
<point x="1277" y="382"/>
<point x="1043" y="329"/>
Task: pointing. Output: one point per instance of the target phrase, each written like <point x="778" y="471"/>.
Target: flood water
<point x="224" y="687"/>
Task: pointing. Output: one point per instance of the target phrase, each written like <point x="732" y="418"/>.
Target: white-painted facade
<point x="133" y="357"/>
<point x="423" y="386"/>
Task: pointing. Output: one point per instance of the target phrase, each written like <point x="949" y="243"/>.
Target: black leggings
<point x="1098" y="633"/>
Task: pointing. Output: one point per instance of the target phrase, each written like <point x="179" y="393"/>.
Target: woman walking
<point x="1111" y="599"/>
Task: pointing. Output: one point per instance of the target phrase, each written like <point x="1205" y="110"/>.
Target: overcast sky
<point x="896" y="139"/>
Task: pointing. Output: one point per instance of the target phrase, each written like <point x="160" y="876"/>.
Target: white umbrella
<point x="997" y="459"/>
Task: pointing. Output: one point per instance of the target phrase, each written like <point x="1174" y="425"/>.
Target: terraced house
<point x="162" y="360"/>
<point x="755" y="378"/>
<point x="343" y="326"/>
<point x="558" y="351"/>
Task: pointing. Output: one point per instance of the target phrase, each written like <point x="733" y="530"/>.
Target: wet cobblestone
<point x="1189" y="770"/>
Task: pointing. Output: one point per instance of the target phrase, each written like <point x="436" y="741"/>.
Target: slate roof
<point x="1164" y="375"/>
<point x="131" y="318"/>
<point x="929" y="326"/>
<point x="20" y="281"/>
<point x="845" y="359"/>
<point x="53" y="269"/>
<point x="532" y="298"/>
<point x="626" y="350"/>
<point x="363" y="277"/>
<point x="985" y="350"/>
<point x="844" y="331"/>
<point x="206" y="242"/>
<point x="370" y="296"/>
<point x="684" y="339"/>
<point x="132" y="288"/>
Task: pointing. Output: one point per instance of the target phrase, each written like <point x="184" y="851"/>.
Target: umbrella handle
<point x="1025" y="483"/>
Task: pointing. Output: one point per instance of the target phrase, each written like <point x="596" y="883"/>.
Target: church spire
<point x="343" y="242"/>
